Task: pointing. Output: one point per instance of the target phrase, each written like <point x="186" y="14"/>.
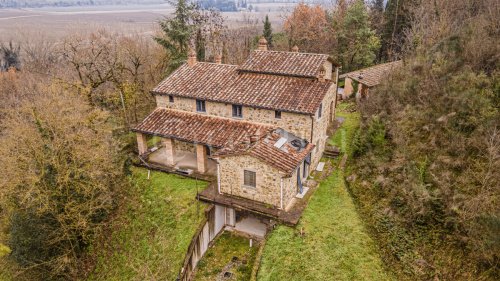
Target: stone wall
<point x="321" y="124"/>
<point x="330" y="75"/>
<point x="268" y="179"/>
<point x="298" y="124"/>
<point x="185" y="146"/>
<point x="268" y="187"/>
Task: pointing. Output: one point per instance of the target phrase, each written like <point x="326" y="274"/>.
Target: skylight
<point x="280" y="142"/>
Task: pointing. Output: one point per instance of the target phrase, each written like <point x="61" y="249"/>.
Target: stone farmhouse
<point x="255" y="130"/>
<point x="366" y="79"/>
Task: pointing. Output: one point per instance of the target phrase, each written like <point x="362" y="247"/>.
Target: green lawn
<point x="221" y="254"/>
<point x="343" y="136"/>
<point x="153" y="231"/>
<point x="330" y="242"/>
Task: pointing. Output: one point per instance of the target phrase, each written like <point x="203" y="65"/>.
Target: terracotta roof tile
<point x="222" y="83"/>
<point x="198" y="128"/>
<point x="284" y="63"/>
<point x="286" y="159"/>
<point x="374" y="75"/>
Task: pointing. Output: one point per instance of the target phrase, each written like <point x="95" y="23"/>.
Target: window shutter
<point x="249" y="178"/>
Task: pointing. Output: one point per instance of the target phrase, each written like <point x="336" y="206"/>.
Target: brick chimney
<point x="295" y="49"/>
<point x="218" y="59"/>
<point x="191" y="57"/>
<point x="262" y="44"/>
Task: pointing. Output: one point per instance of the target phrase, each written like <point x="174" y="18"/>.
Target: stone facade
<point x="298" y="124"/>
<point x="273" y="187"/>
<point x="321" y="124"/>
<point x="269" y="181"/>
<point x="185" y="146"/>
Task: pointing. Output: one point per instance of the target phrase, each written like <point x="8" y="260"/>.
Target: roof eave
<point x="173" y="137"/>
<point x="219" y="101"/>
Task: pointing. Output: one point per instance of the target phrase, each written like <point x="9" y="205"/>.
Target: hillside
<point x="330" y="242"/>
<point x="427" y="154"/>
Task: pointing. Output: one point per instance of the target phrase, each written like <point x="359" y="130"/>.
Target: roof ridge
<point x="214" y="63"/>
<point x="290" y="52"/>
<point x="373" y="66"/>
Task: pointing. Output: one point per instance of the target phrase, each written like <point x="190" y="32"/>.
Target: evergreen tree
<point x="177" y="32"/>
<point x="357" y="43"/>
<point x="268" y="31"/>
<point x="377" y="20"/>
<point x="396" y="20"/>
<point x="377" y="15"/>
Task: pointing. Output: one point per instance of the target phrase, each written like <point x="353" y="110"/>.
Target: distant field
<point x="54" y="23"/>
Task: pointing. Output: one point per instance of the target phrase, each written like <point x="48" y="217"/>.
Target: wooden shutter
<point x="249" y="178"/>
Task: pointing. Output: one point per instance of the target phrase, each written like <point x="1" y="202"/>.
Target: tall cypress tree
<point x="268" y="32"/>
<point x="177" y="32"/>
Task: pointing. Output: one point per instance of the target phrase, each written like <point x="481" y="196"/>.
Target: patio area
<point x="183" y="161"/>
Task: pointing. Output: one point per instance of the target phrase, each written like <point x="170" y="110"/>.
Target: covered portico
<point x="187" y="139"/>
<point x="173" y="153"/>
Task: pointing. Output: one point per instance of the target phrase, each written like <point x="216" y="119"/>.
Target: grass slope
<point x="335" y="244"/>
<point x="153" y="231"/>
<point x="221" y="253"/>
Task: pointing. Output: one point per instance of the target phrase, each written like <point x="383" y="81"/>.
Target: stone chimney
<point x="295" y="49"/>
<point x="322" y="73"/>
<point x="262" y="44"/>
<point x="218" y="59"/>
<point x="191" y="57"/>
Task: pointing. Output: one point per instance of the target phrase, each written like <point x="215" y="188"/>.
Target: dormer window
<point x="171" y="99"/>
<point x="320" y="110"/>
<point x="237" y="111"/>
<point x="200" y="106"/>
<point x="277" y="114"/>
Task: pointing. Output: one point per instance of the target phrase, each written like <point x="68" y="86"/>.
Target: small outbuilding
<point x="360" y="82"/>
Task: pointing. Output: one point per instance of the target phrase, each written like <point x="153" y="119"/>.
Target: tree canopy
<point x="62" y="178"/>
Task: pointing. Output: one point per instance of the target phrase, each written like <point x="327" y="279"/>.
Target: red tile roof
<point x="286" y="159"/>
<point x="285" y="63"/>
<point x="223" y="83"/>
<point x="199" y="128"/>
<point x="374" y="75"/>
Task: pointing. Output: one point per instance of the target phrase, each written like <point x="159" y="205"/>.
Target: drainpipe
<point x="312" y="127"/>
<point x="281" y="193"/>
<point x="218" y="177"/>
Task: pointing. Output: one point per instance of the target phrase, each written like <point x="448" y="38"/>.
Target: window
<point x="237" y="111"/>
<point x="171" y="99"/>
<point x="277" y="114"/>
<point x="200" y="106"/>
<point x="249" y="178"/>
<point x="320" y="109"/>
